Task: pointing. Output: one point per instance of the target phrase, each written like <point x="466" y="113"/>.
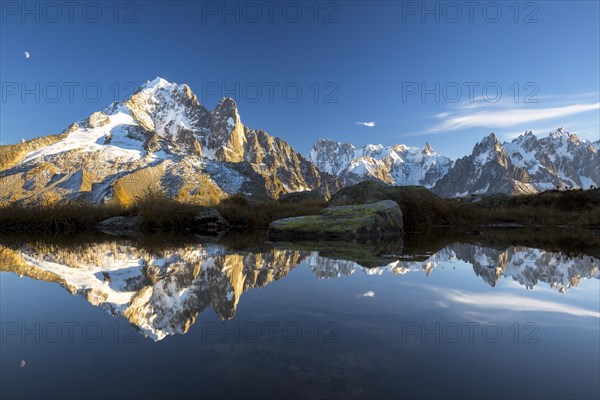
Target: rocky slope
<point x="527" y="164"/>
<point x="159" y="138"/>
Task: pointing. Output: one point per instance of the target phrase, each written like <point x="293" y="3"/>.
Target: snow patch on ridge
<point x="92" y="139"/>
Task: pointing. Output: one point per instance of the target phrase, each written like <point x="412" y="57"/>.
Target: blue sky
<point x="382" y="63"/>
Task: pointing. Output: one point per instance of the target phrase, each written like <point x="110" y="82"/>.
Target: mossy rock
<point x="373" y="220"/>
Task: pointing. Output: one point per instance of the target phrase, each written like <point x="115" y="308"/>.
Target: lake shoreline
<point x="421" y="211"/>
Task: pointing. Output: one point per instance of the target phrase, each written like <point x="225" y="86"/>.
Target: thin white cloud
<point x="516" y="303"/>
<point x="368" y="124"/>
<point x="370" y="293"/>
<point x="504" y="118"/>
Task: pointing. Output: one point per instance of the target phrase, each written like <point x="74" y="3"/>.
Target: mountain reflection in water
<point x="161" y="291"/>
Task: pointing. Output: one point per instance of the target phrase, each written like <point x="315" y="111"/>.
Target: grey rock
<point x="209" y="219"/>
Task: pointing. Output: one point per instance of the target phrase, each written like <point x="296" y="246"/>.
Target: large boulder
<point x="422" y="209"/>
<point x="374" y="220"/>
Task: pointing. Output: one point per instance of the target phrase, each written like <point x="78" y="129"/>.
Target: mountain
<point x="528" y="164"/>
<point x="162" y="138"/>
<point x="396" y="165"/>
<point x="159" y="138"/>
<point x="487" y="170"/>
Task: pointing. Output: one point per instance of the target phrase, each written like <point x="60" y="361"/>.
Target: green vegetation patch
<point x="365" y="219"/>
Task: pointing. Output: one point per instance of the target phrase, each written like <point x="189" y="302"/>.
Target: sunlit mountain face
<point x="163" y="137"/>
<point x="162" y="291"/>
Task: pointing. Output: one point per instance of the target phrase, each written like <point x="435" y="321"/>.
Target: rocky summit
<point x="161" y="138"/>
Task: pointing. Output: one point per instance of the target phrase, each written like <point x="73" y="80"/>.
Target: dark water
<point x="120" y="318"/>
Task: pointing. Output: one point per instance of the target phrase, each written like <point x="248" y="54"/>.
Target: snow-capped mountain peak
<point x="160" y="137"/>
<point x="157" y="83"/>
<point x="527" y="164"/>
<point x="397" y="164"/>
<point x="427" y="149"/>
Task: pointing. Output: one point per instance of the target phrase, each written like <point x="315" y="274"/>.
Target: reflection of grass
<point x="413" y="247"/>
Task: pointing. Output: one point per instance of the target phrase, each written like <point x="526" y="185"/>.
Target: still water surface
<point x="124" y="318"/>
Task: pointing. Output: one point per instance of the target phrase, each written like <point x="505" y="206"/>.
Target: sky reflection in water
<point x="205" y="320"/>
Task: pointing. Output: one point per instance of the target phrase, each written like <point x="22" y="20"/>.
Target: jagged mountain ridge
<point x="527" y="164"/>
<point x="527" y="266"/>
<point x="396" y="165"/>
<point x="160" y="137"/>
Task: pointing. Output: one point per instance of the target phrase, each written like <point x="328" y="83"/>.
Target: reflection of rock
<point x="12" y="261"/>
<point x="120" y="226"/>
<point x="370" y="255"/>
<point x="358" y="221"/>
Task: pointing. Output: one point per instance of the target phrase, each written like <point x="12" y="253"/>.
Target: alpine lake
<point x="501" y="313"/>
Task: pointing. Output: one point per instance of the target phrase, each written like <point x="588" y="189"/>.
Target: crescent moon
<point x="27" y="55"/>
